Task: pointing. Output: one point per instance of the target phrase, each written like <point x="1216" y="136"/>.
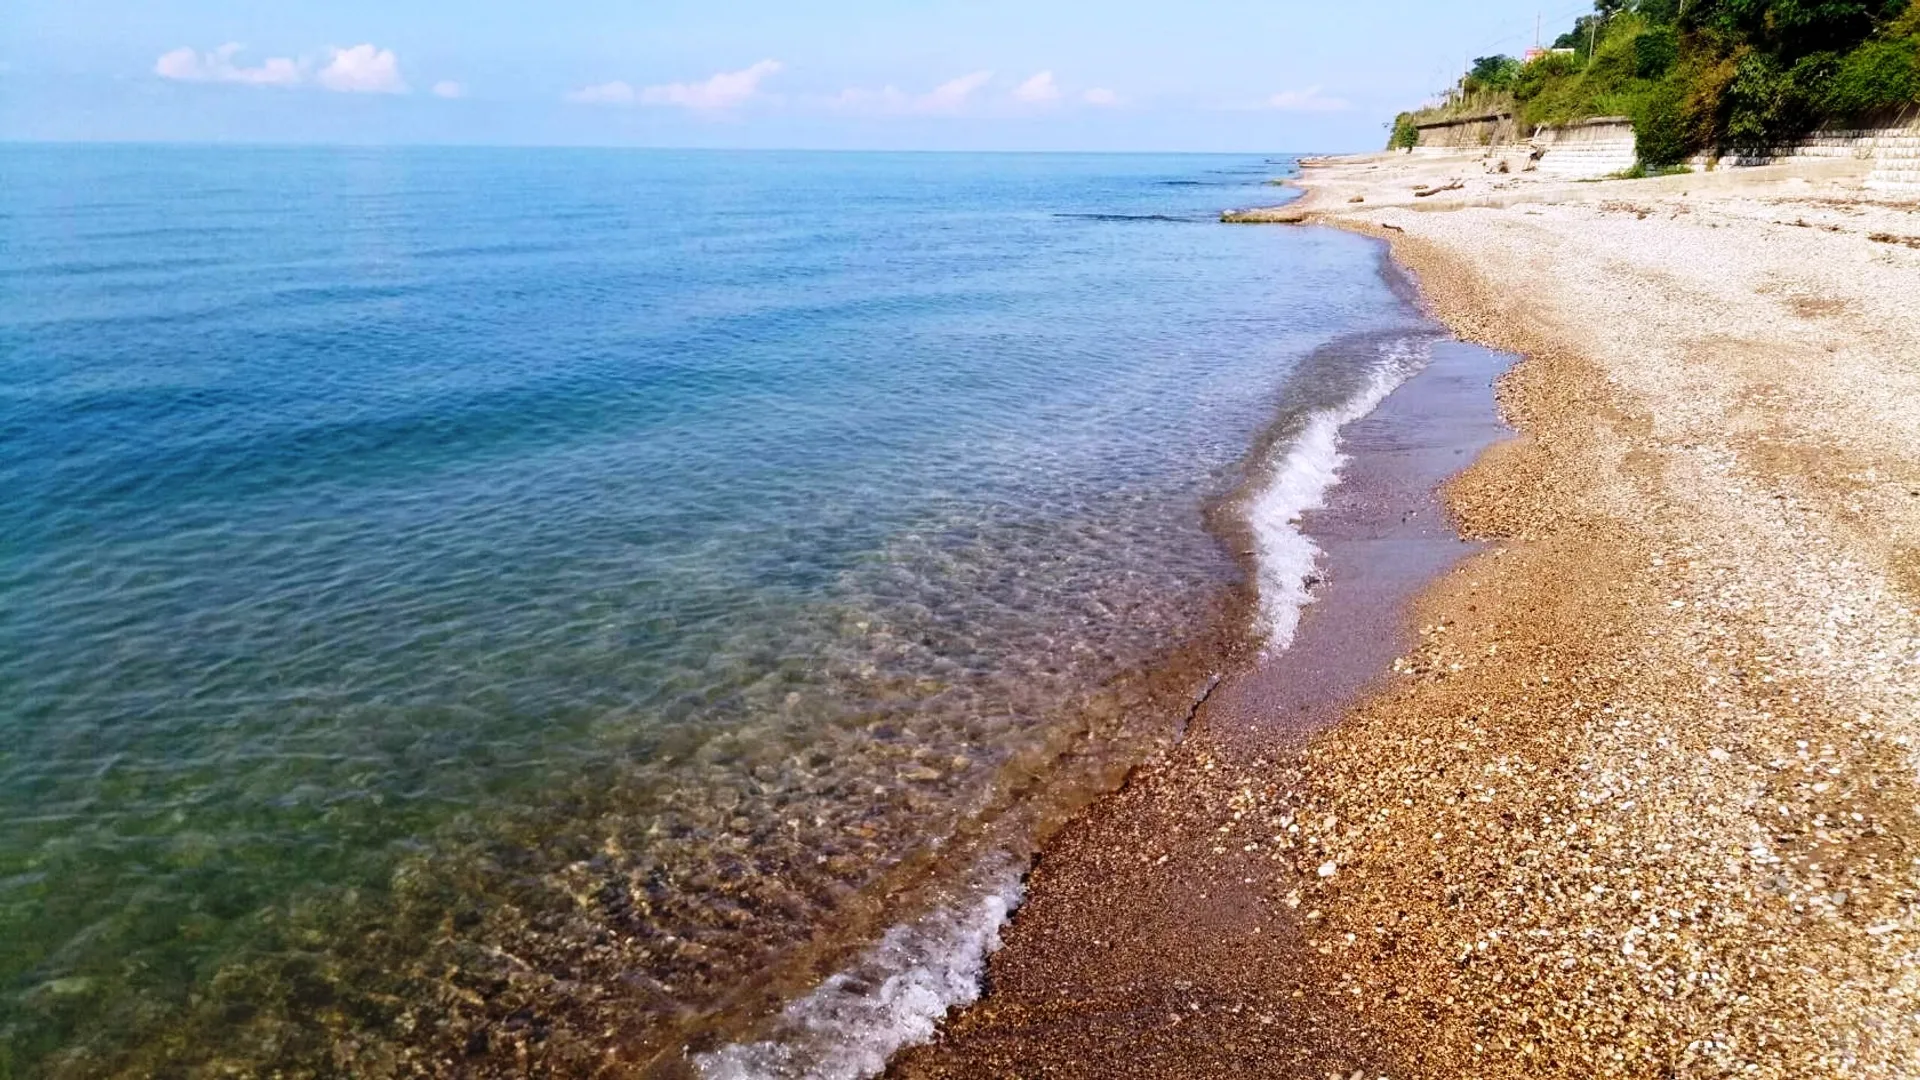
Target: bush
<point x="1906" y="24"/>
<point x="1793" y="28"/>
<point x="1533" y="77"/>
<point x="1659" y="12"/>
<point x="1878" y="75"/>
<point x="1769" y="105"/>
<point x="1804" y="26"/>
<point x="1706" y="80"/>
<point x="1655" y="52"/>
<point x="1661" y="127"/>
<point x="1405" y="136"/>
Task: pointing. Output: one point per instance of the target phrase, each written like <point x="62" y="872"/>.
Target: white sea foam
<point x="1308" y="468"/>
<point x="891" y="998"/>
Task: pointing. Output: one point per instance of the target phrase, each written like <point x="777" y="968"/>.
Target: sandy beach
<point x="1638" y="795"/>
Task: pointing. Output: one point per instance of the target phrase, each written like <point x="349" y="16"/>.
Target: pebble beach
<point x="1637" y="798"/>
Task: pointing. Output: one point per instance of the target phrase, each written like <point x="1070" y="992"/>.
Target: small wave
<point x="891" y="998"/>
<point x="1308" y="468"/>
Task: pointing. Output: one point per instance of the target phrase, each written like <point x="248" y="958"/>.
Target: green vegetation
<point x="1491" y="73"/>
<point x="1709" y="75"/>
<point x="1405" y="135"/>
<point x="1479" y="101"/>
<point x="1641" y="170"/>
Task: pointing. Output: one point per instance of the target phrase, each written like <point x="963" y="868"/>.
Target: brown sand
<point x="1640" y="801"/>
<point x="1149" y="943"/>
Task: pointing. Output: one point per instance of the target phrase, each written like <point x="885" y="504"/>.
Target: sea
<point x="480" y="611"/>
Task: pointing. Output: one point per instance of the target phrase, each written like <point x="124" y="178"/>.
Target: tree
<point x="1660" y="12"/>
<point x="1491" y="73"/>
<point x="1580" y="39"/>
<point x="1794" y="28"/>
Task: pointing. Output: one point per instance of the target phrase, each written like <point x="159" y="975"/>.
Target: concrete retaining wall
<point x="1893" y="149"/>
<point x="1896" y="161"/>
<point x="1605" y="146"/>
<point x="1467" y="132"/>
<point x="1587" y="150"/>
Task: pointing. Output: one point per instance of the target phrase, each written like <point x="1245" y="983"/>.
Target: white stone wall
<point x="1606" y="146"/>
<point x="1587" y="151"/>
<point x="1894" y="151"/>
<point x="1896" y="161"/>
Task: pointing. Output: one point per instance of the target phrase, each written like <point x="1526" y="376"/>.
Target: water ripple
<point x="620" y="561"/>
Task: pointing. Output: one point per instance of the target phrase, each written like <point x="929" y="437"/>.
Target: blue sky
<point x="947" y="74"/>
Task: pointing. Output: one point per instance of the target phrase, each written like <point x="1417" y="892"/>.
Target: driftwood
<point x="1451" y="185"/>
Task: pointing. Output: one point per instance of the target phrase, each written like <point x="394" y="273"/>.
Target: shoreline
<point x="833" y="1018"/>
<point x="1640" y="800"/>
<point x="1165" y="924"/>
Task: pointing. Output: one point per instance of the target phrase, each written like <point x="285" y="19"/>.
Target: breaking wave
<point x="893" y="997"/>
<point x="1304" y="470"/>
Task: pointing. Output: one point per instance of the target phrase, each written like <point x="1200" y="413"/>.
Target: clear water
<point x="450" y="599"/>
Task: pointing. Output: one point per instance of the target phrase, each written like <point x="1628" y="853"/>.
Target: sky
<point x="1225" y="75"/>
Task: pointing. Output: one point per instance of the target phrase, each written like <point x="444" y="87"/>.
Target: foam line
<point x="891" y="998"/>
<point x="1306" y="471"/>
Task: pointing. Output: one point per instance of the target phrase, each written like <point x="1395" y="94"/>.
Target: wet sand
<point x="1638" y="798"/>
<point x="1148" y="945"/>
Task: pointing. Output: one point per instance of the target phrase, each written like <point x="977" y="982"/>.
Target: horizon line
<point x="266" y="144"/>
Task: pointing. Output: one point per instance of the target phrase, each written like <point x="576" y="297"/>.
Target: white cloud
<point x="947" y="98"/>
<point x="360" y="69"/>
<point x="727" y="90"/>
<point x="1308" y="100"/>
<point x="887" y="99"/>
<point x="449" y="89"/>
<point x="610" y="93"/>
<point x="363" y="69"/>
<point x="957" y="97"/>
<point x="186" y="65"/>
<point x="1039" y="90"/>
<point x="952" y="96"/>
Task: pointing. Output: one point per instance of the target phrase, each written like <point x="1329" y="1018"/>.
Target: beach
<point x="1635" y="794"/>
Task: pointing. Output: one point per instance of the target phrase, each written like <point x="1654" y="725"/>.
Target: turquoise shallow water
<point x="620" y="561"/>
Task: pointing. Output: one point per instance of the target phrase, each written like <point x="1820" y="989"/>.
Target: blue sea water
<point x="639" y="565"/>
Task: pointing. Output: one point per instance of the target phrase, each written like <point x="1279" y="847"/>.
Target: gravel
<point x="1643" y="802"/>
<point x="1643" y="799"/>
